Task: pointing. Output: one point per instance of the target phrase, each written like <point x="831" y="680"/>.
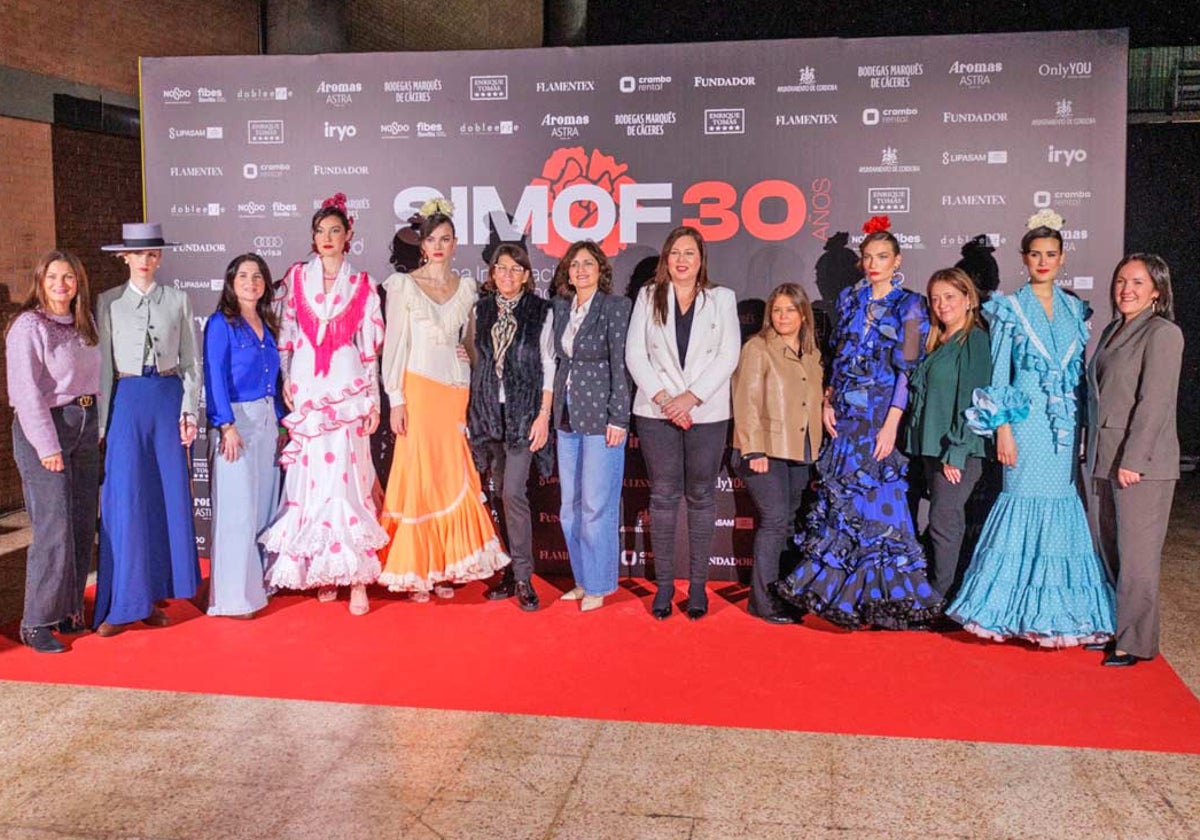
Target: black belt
<point x="149" y="371"/>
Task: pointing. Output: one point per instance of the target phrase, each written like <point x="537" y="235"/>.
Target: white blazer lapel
<point x="702" y="333"/>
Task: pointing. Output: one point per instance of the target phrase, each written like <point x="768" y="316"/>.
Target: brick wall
<point x="98" y="43"/>
<point x="383" y="25"/>
<point x="87" y="218"/>
<point x="27" y="199"/>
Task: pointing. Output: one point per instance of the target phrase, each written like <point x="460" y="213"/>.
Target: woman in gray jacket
<point x="1133" y="446"/>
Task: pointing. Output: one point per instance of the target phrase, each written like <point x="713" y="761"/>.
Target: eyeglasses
<point x="509" y="271"/>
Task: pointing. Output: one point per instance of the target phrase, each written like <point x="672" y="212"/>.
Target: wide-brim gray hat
<point x="141" y="237"/>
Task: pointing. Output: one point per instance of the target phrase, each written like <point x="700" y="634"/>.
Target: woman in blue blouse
<point x="241" y="377"/>
<point x="1034" y="574"/>
<point x="860" y="562"/>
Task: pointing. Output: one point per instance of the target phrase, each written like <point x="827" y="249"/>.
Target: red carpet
<point x="620" y="664"/>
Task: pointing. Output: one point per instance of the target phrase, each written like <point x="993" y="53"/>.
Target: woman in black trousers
<point x="777" y="431"/>
<point x="512" y="386"/>
<point x="683" y="345"/>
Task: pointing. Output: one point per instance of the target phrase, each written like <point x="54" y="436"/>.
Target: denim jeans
<point x="682" y="464"/>
<point x="777" y="494"/>
<point x="62" y="507"/>
<point x="590" y="475"/>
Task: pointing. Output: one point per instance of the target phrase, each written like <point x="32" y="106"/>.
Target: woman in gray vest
<point x="149" y="394"/>
<point x="1133" y="446"/>
<point x="512" y="386"/>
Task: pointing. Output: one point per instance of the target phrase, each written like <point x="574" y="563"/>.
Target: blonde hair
<point x="959" y="280"/>
<point x="793" y="292"/>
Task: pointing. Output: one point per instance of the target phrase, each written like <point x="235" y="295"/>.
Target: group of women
<point x="499" y="383"/>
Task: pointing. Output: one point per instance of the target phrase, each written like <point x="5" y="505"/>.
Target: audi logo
<point x="268" y="242"/>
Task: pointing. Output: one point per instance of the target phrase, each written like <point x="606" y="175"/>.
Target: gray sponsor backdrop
<point x="769" y="147"/>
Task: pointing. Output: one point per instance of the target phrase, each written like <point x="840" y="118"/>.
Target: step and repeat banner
<point x="776" y="150"/>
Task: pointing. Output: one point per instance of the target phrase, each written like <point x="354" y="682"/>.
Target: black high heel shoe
<point x="696" y="613"/>
<point x="661" y="609"/>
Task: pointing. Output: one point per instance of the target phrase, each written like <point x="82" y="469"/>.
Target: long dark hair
<point x="228" y="304"/>
<point x="662" y="273"/>
<point x="1160" y="274"/>
<point x="81" y="304"/>
<point x="562" y="274"/>
<point x="793" y="292"/>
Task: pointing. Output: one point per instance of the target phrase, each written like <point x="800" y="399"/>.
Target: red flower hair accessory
<point x="876" y="224"/>
<point x="338" y="202"/>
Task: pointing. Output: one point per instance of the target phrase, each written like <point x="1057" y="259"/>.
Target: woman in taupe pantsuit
<point x="1133" y="447"/>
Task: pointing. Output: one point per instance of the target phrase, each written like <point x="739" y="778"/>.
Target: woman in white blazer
<point x="682" y="349"/>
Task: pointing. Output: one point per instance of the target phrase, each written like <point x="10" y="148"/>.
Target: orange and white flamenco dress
<point x="440" y="531"/>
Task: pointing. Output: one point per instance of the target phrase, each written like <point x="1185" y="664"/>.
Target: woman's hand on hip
<point x="398" y="419"/>
<point x="54" y="462"/>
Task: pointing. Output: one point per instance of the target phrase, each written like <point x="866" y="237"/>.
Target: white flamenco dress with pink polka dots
<point x="326" y="532"/>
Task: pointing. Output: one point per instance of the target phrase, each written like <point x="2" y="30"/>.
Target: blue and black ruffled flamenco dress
<point x="861" y="564"/>
<point x="1035" y="574"/>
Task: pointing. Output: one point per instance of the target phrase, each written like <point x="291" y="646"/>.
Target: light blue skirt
<point x="1035" y="575"/>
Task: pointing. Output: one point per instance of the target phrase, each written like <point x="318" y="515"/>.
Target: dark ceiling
<point x="1151" y="23"/>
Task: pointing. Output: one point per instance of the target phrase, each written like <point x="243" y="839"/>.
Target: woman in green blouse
<point x="958" y="362"/>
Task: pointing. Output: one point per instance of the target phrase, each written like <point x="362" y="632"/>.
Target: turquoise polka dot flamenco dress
<point x="1035" y="574"/>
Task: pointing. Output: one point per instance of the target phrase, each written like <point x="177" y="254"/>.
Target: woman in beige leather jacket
<point x="777" y="430"/>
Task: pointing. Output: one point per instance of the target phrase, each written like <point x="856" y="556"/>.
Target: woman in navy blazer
<point x="591" y="418"/>
<point x="684" y="343"/>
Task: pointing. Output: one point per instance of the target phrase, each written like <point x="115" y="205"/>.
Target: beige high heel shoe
<point x="359" y="603"/>
<point x="591" y="602"/>
<point x="575" y="594"/>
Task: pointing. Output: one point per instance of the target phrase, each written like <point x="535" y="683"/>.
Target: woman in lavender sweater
<point x="53" y="379"/>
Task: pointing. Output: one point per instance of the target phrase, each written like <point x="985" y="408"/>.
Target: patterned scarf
<point x="504" y="330"/>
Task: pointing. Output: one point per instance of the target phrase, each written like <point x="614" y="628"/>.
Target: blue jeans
<point x="590" y="475"/>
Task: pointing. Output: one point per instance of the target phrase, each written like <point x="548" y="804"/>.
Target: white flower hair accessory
<point x="1045" y="218"/>
<point x="436" y="205"/>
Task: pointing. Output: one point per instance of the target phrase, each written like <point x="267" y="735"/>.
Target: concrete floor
<point x="113" y="763"/>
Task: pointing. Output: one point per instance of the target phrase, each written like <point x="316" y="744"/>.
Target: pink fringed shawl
<point x="329" y="335"/>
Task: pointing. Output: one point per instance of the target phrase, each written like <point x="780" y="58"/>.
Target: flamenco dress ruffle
<point x="861" y="564"/>
<point x="439" y="529"/>
<point x="326" y="532"/>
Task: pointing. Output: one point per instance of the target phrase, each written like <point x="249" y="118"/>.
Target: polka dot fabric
<point x="1035" y="574"/>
